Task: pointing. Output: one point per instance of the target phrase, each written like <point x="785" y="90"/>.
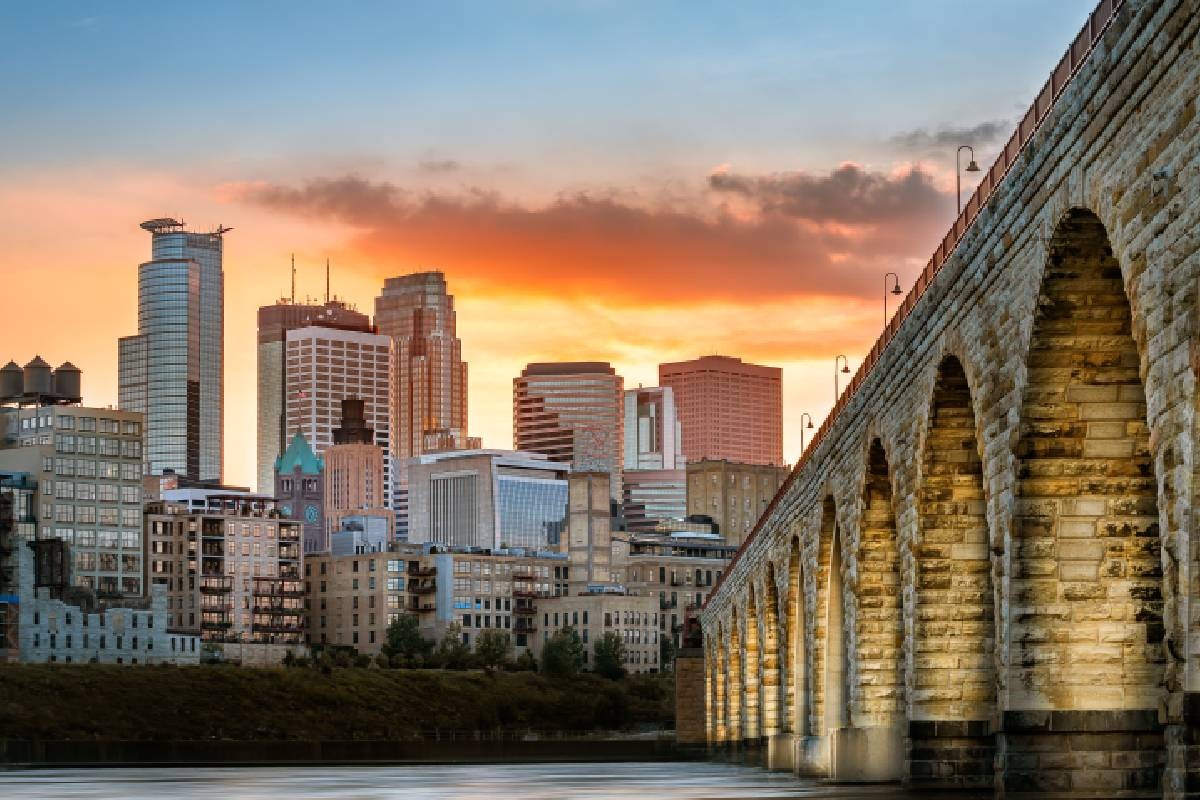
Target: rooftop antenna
<point x="293" y="278"/>
<point x="327" y="281"/>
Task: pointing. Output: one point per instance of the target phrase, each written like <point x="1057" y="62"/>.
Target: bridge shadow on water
<point x="559" y="781"/>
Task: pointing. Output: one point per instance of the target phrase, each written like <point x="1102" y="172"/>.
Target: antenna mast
<point x="293" y="278"/>
<point x="327" y="281"/>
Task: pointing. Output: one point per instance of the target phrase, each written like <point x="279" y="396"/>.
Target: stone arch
<point x="879" y="622"/>
<point x="954" y="636"/>
<point x="733" y="683"/>
<point x="750" y="670"/>
<point x="797" y="697"/>
<point x="720" y="731"/>
<point x="770" y="690"/>
<point x="1085" y="524"/>
<point x="830" y="695"/>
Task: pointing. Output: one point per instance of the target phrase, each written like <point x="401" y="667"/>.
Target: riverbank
<point x="101" y="712"/>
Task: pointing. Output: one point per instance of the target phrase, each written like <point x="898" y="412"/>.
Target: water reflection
<point x="664" y="781"/>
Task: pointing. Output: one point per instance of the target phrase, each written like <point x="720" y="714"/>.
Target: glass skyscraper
<point x="172" y="371"/>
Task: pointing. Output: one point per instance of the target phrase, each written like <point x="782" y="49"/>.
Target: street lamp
<point x="894" y="290"/>
<point x="845" y="370"/>
<point x="971" y="167"/>
<point x="802" y="427"/>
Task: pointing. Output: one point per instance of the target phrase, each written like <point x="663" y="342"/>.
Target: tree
<point x="610" y="656"/>
<point x="563" y="653"/>
<point x="666" y="653"/>
<point x="452" y="652"/>
<point x="526" y="662"/>
<point x="403" y="641"/>
<point x="493" y="648"/>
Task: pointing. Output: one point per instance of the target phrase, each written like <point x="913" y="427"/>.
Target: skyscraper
<point x="654" y="483"/>
<point x="728" y="409"/>
<point x="572" y="412"/>
<point x="274" y="321"/>
<point x="172" y="371"/>
<point x="429" y="378"/>
<point x="354" y="468"/>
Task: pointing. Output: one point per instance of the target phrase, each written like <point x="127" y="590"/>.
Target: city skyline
<point x="666" y="210"/>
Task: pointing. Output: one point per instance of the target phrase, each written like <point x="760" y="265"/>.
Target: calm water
<point x="669" y="781"/>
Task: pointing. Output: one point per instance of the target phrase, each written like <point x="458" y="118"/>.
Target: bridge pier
<point x="950" y="754"/>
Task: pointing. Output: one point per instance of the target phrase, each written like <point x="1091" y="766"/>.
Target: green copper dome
<point x="299" y="454"/>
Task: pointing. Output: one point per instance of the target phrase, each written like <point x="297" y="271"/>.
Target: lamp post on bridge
<point x="894" y="290"/>
<point x="971" y="167"/>
<point x="802" y="427"/>
<point x="845" y="370"/>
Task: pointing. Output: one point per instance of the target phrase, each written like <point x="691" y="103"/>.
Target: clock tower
<point x="300" y="490"/>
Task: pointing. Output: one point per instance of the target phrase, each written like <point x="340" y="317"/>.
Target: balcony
<point x="525" y="626"/>
<point x="215" y="625"/>
<point x="423" y="572"/>
<point x="664" y="603"/>
<point x="278" y="628"/>
<point x="524" y="611"/>
<point x="215" y="585"/>
<point x="524" y="576"/>
<point x="279" y="610"/>
<point x="424" y="609"/>
<point x="427" y="588"/>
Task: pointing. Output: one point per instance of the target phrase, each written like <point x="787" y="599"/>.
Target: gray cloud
<point x="439" y="165"/>
<point x="848" y="195"/>
<point x="948" y="137"/>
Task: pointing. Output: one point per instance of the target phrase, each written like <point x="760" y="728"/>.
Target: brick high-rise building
<point x="728" y="409"/>
<point x="354" y="471"/>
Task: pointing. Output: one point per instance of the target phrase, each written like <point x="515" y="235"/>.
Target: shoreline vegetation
<point x="98" y="703"/>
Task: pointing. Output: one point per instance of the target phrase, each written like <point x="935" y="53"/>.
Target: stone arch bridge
<point x="985" y="570"/>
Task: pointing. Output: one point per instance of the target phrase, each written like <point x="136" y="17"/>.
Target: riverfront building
<point x="85" y="467"/>
<point x="232" y="574"/>
<point x="733" y="495"/>
<point x="172" y="370"/>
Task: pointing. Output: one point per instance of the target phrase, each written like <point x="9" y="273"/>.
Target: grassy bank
<point x="95" y="702"/>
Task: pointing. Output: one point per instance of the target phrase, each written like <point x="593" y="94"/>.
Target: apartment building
<point x="732" y="494"/>
<point x="635" y="619"/>
<point x="232" y="572"/>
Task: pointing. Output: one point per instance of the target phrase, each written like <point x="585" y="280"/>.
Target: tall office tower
<point x="353" y="468"/>
<point x="172" y="371"/>
<point x="325" y="366"/>
<point x="429" y="378"/>
<point x="274" y="322"/>
<point x="572" y="412"/>
<point x="728" y="409"/>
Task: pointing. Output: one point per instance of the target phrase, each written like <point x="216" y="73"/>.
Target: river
<point x="589" y="781"/>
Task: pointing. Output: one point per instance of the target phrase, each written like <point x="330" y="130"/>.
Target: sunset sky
<point x="633" y="182"/>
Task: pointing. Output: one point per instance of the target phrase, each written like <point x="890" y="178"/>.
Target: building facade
<point x="573" y="412"/>
<point x="653" y="433"/>
<point x="325" y="366"/>
<point x="274" y="322"/>
<point x="652" y="497"/>
<point x="354" y="469"/>
<point x="728" y="409"/>
<point x="429" y="377"/>
<point x="733" y="495"/>
<point x="491" y="499"/>
<point x="232" y="573"/>
<point x="635" y="620"/>
<point x="300" y="489"/>
<point x="351" y="599"/>
<point x="57" y="625"/>
<point x="86" y="464"/>
<point x="172" y="370"/>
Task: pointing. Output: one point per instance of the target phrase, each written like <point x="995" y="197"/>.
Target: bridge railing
<point x="1068" y="66"/>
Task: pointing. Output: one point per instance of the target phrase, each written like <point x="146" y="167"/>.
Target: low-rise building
<point x="734" y="495"/>
<point x="232" y="574"/>
<point x="635" y="619"/>
<point x="352" y="598"/>
<point x="63" y="623"/>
